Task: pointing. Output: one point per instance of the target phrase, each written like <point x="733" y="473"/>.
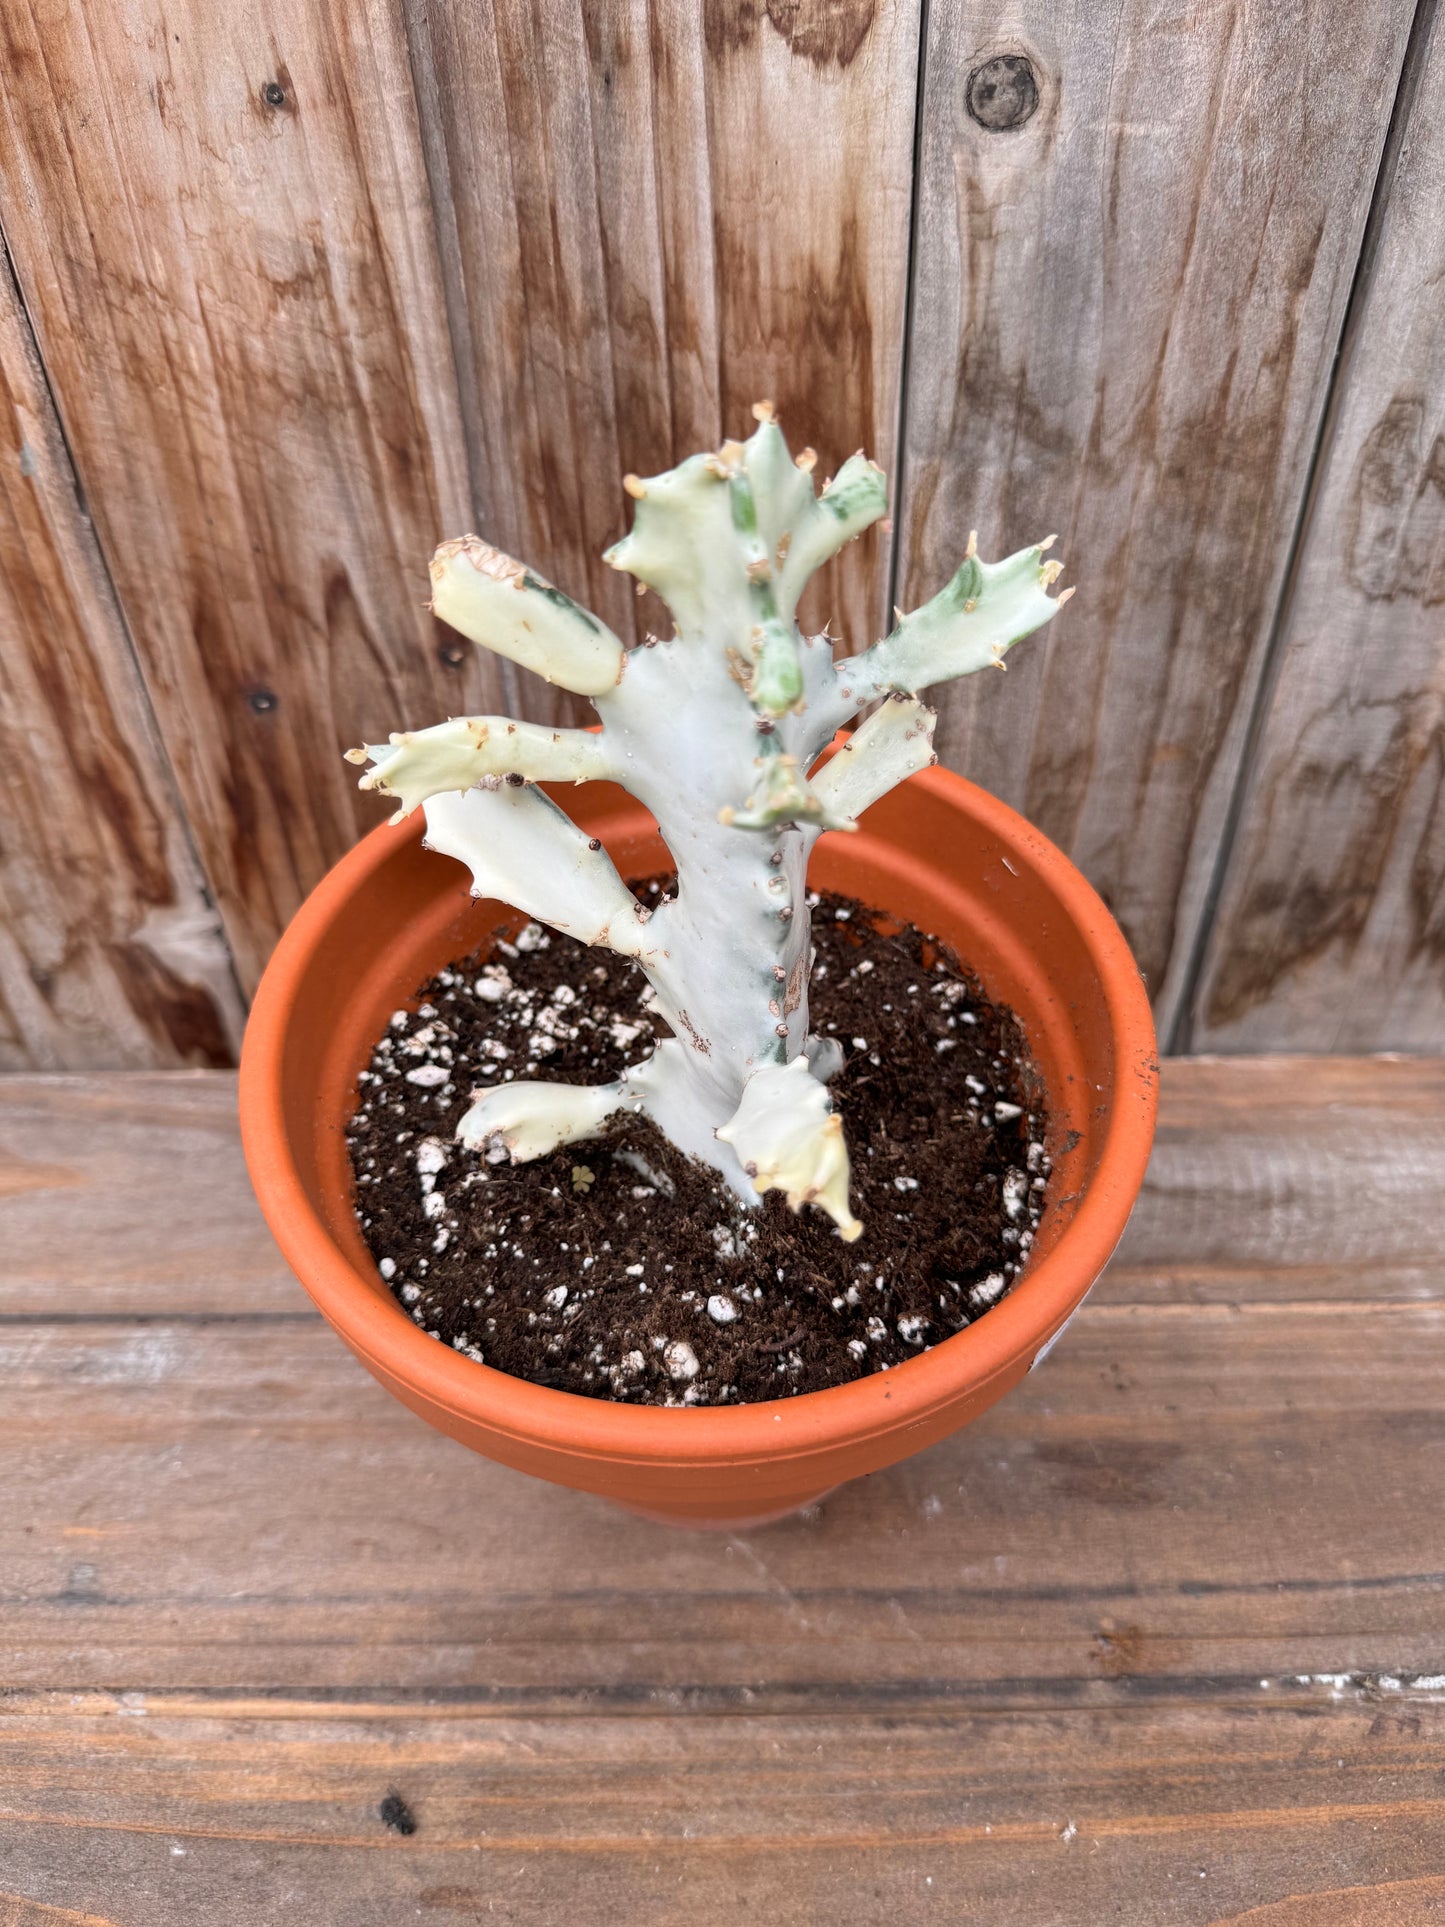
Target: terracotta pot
<point x="938" y="852"/>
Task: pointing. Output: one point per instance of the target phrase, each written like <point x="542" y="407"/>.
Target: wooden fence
<point x="296" y="290"/>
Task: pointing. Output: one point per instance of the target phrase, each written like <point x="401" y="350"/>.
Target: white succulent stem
<point x="727" y="955"/>
<point x="716" y="731"/>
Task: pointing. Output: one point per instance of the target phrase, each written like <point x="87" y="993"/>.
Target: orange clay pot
<point x="937" y="852"/>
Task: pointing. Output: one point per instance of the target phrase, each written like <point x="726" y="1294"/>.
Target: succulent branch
<point x="717" y="730"/>
<point x="526" y="1120"/>
<point x="505" y="607"/>
<point x="970" y="624"/>
<point x="466" y="750"/>
<point x="896" y="740"/>
<point x="522" y="849"/>
<point x="789" y="1138"/>
<point x="780" y="794"/>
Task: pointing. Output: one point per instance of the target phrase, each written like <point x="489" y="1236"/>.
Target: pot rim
<point x="385" y="1337"/>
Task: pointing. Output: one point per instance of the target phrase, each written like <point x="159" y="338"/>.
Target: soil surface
<point x="620" y="1269"/>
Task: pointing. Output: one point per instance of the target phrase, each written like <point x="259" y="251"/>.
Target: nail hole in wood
<point x="396" y="1814"/>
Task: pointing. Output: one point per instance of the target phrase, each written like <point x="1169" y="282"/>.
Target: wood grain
<point x="237" y="298"/>
<point x="1330" y="1165"/>
<point x="653" y="215"/>
<point x="1125" y="313"/>
<point x="1330" y="930"/>
<point x="1270" y="1134"/>
<point x="655" y="1819"/>
<point x="18" y="1912"/>
<point x="109" y="954"/>
<point x="92" y="1154"/>
<point x="1156" y="1641"/>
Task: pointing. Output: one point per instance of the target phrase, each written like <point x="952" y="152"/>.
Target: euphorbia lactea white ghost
<point x="717" y="730"/>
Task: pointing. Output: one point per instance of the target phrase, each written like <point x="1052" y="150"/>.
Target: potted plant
<point x="712" y="760"/>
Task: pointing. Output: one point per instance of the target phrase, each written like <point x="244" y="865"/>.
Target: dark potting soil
<point x="621" y="1269"/>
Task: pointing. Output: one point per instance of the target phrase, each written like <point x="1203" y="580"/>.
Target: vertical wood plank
<point x="109" y="954"/>
<point x="1331" y="925"/>
<point x="1127" y="302"/>
<point x="655" y="214"/>
<point x="221" y="222"/>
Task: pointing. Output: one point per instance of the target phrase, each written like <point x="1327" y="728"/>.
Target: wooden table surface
<point x="1160" y="1639"/>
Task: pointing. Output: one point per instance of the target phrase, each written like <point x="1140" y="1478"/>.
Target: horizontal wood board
<point x="1158" y="1640"/>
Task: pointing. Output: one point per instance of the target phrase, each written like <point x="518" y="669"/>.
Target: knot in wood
<point x="1003" y="92"/>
